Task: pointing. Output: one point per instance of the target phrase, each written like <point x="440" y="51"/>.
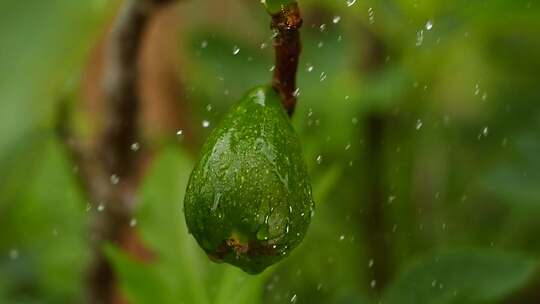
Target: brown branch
<point x="109" y="169"/>
<point x="287" y="46"/>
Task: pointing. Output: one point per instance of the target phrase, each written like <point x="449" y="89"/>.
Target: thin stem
<point x="286" y="23"/>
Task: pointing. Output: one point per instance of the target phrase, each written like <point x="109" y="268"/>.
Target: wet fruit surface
<point x="249" y="201"/>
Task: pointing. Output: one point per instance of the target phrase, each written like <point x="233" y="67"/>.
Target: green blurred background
<point x="420" y="122"/>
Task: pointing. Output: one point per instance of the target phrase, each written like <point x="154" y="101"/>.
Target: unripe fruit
<point x="248" y="200"/>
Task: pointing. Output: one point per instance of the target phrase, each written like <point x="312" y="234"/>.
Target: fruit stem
<point x="286" y="23"/>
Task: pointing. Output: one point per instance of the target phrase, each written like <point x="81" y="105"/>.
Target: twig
<point x="109" y="171"/>
<point x="287" y="46"/>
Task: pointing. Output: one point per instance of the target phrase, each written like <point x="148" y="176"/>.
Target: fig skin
<point x="249" y="201"/>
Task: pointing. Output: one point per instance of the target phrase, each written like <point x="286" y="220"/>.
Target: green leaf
<point x="44" y="46"/>
<point x="45" y="225"/>
<point x="240" y="288"/>
<point x="140" y="283"/>
<point x="467" y="276"/>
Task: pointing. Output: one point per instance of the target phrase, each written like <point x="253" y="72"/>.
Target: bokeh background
<point x="420" y="122"/>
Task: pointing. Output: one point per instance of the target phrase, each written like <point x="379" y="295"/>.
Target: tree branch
<point x="287" y="46"/>
<point x="110" y="170"/>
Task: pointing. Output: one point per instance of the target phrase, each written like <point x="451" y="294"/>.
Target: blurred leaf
<point x="44" y="253"/>
<point x="238" y="287"/>
<point x="326" y="182"/>
<point x="44" y="45"/>
<point x="468" y="276"/>
<point x="139" y="282"/>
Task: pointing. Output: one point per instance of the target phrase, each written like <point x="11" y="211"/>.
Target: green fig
<point x="248" y="201"/>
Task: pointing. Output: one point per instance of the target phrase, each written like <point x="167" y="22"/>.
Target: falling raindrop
<point x="371" y="15"/>
<point x="209" y="107"/>
<point x="293" y="298"/>
<point x="319" y="159"/>
<point x="354" y="121"/>
<point x="322" y="27"/>
<point x="341" y="237"/>
<point x="419" y="37"/>
<point x="296" y="92"/>
<point x="204" y="44"/>
<point x="350" y="2"/>
<point x="101" y="207"/>
<point x="133" y="222"/>
<point x="418" y="124"/>
<point x="429" y="25"/>
<point x="236" y="50"/>
<point x="373" y="283"/>
<point x="114" y="179"/>
<point x="370" y="263"/>
<point x="320" y="44"/>
<point x="323" y="76"/>
<point x="309" y="67"/>
<point x="476" y="89"/>
<point x="205" y="123"/>
<point x="336" y="19"/>
<point x="135" y="146"/>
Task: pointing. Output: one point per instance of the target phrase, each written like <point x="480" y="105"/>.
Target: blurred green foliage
<point x="455" y="83"/>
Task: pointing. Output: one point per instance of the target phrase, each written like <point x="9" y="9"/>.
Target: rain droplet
<point x="319" y="159"/>
<point x="309" y="67"/>
<point x="354" y="121"/>
<point x="373" y="283"/>
<point x="293" y="298"/>
<point x="418" y="124"/>
<point x="101" y="207"/>
<point x="133" y="222"/>
<point x="348" y="146"/>
<point x="419" y="37"/>
<point x="429" y="25"/>
<point x="180" y="134"/>
<point x="323" y="76"/>
<point x="204" y="44"/>
<point x="209" y="107"/>
<point x="350" y="2"/>
<point x="135" y="146"/>
<point x="320" y="44"/>
<point x="371" y="15"/>
<point x="370" y="263"/>
<point x="205" y="123"/>
<point x="322" y="27"/>
<point x="477" y="89"/>
<point x="336" y="19"/>
<point x="114" y="179"/>
<point x="236" y="50"/>
<point x="296" y="92"/>
<point x="484" y="96"/>
<point x="341" y="237"/>
<point x="263" y="45"/>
